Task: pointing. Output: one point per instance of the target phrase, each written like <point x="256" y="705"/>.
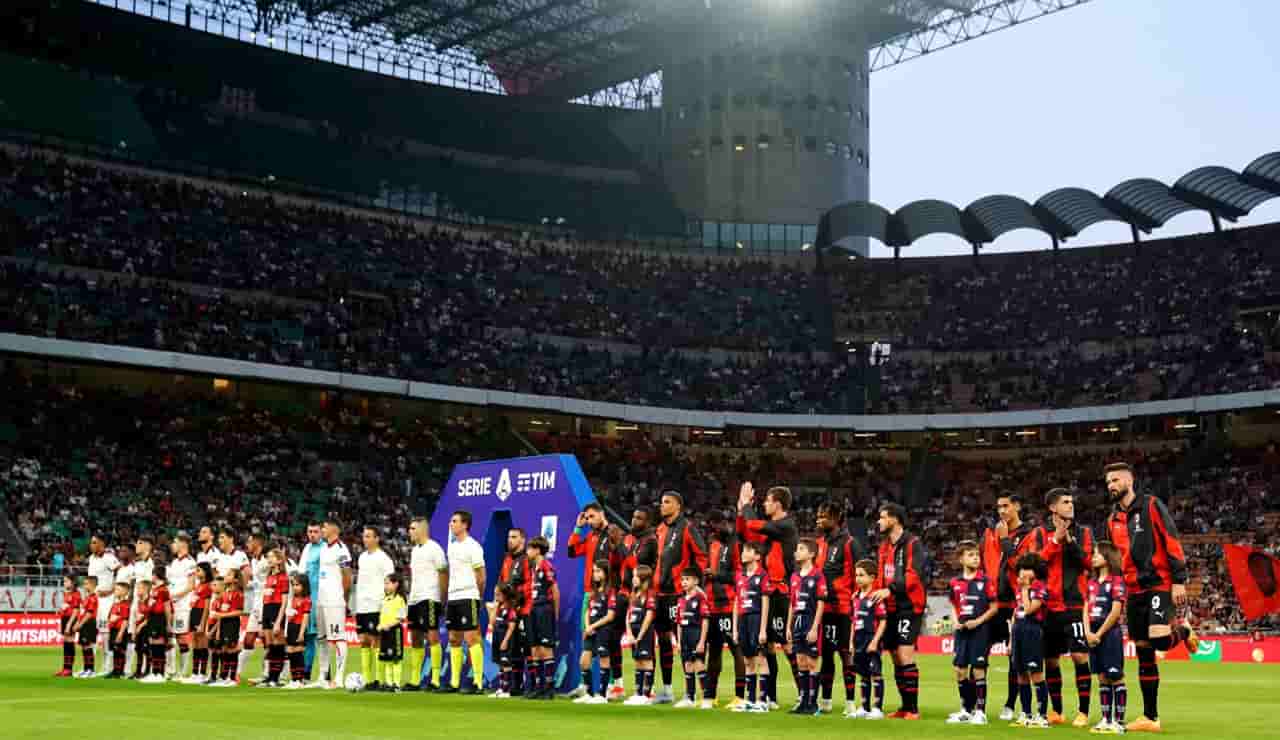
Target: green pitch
<point x="1198" y="700"/>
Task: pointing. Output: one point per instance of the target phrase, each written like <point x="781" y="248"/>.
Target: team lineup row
<point x="758" y="590"/>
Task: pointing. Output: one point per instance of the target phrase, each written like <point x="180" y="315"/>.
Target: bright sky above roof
<point x="1089" y="97"/>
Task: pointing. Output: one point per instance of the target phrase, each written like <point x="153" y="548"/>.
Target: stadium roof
<point x="1143" y="203"/>
<point x="568" y="48"/>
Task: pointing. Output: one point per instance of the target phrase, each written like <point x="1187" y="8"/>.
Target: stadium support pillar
<point x="1217" y="222"/>
<point x="1056" y="243"/>
<point x="1137" y="236"/>
<point x="897" y="253"/>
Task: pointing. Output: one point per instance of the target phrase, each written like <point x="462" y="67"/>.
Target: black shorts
<point x="1064" y="633"/>
<point x="618" y="628"/>
<point x="1000" y="624"/>
<point x="666" y="618"/>
<point x="835" y="633"/>
<point x="865" y="663"/>
<point x="689" y="645"/>
<point x="643" y="648"/>
<point x="294" y="635"/>
<point x="776" y="630"/>
<point x="196" y="619"/>
<point x="1146" y="609"/>
<point x="367" y="623"/>
<point x="463" y="615"/>
<point x="228" y="633"/>
<point x="1107" y="658"/>
<point x="542" y="626"/>
<point x="391" y="644"/>
<point x="270" y="613"/>
<point x="800" y="644"/>
<point x="65" y="622"/>
<point x="720" y="633"/>
<point x="598" y="644"/>
<point x="157" y="628"/>
<point x="424" y="616"/>
<point x="88" y="633"/>
<point x="749" y="635"/>
<point x="972" y="647"/>
<point x="1026" y="654"/>
<point x="114" y="644"/>
<point x="902" y="631"/>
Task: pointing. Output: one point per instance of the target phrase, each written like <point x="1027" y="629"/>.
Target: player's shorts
<point x="182" y="620"/>
<point x="88" y="633"/>
<point x="63" y="624"/>
<point x="800" y="644"/>
<point x="1064" y="633"/>
<point x="195" y="620"/>
<point x="270" y="613"/>
<point x="391" y="644"/>
<point x="776" y="631"/>
<point x="462" y="615"/>
<point x="367" y="623"/>
<point x="667" y="616"/>
<point x="749" y="635"/>
<point x="294" y="635"/>
<point x="720" y="633"/>
<point x="689" y="645"/>
<point x="227" y="634"/>
<point x="157" y="627"/>
<point x="1107" y="658"/>
<point x="835" y="633"/>
<point x="521" y="640"/>
<point x="598" y="644"/>
<point x="1000" y="624"/>
<point x="644" y="647"/>
<point x="331" y="622"/>
<point x="972" y="647"/>
<point x="618" y="627"/>
<point x="104" y="610"/>
<point x="424" y="616"/>
<point x="542" y="626"/>
<point x="1026" y="653"/>
<point x="255" y="619"/>
<point x="865" y="663"/>
<point x="114" y="644"/>
<point x="902" y="630"/>
<point x="1145" y="610"/>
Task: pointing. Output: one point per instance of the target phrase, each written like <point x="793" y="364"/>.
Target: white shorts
<point x="104" y="611"/>
<point x="255" y="620"/>
<point x="331" y="622"/>
<point x="181" y="619"/>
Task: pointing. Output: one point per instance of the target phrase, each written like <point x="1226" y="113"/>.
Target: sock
<point x="866" y="693"/>
<point x="477" y="664"/>
<point x="230" y="662"/>
<point x="666" y="659"/>
<point x="504" y="677"/>
<point x="1053" y="677"/>
<point x="413" y="665"/>
<point x="1084" y="687"/>
<point x="517" y="675"/>
<point x="827" y="674"/>
<point x="215" y="673"/>
<point x="277" y="666"/>
<point x="129" y="650"/>
<point x="589" y="680"/>
<point x="689" y="687"/>
<point x="1120" y="700"/>
<point x="740" y="686"/>
<point x="615" y="660"/>
<point x="1042" y="697"/>
<point x="157" y="659"/>
<point x="850" y="681"/>
<point x="980" y="694"/>
<point x="771" y="679"/>
<point x="1015" y="689"/>
<point x="708" y="685"/>
<point x="1104" y="700"/>
<point x="242" y="659"/>
<point x="322" y="655"/>
<point x="795" y="670"/>
<point x="911" y="687"/>
<point x="170" y="657"/>
<point x="296" y="666"/>
<point x="962" y="686"/>
<point x="368" y="664"/>
<point x="549" y="673"/>
<point x="878" y="685"/>
<point x="397" y="672"/>
<point x="639" y="682"/>
<point x="198" y="660"/>
<point x="184" y="659"/>
<point x="88" y="658"/>
<point x="455" y="665"/>
<point x="340" y="669"/>
<point x="751" y="688"/>
<point x="68" y="655"/>
<point x="1024" y="692"/>
<point x="533" y="676"/>
<point x="437" y="661"/>
<point x="1149" y="678"/>
<point x="117" y="662"/>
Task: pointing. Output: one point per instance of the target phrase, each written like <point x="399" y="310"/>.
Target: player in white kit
<point x="227" y="560"/>
<point x="372" y="569"/>
<point x="206" y="548"/>
<point x="144" y="568"/>
<point x="102" y="566"/>
<point x="259" y="568"/>
<point x="430" y="581"/>
<point x="180" y="576"/>
<point x="331" y="605"/>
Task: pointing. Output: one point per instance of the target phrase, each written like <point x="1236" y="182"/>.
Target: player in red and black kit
<point x="680" y="546"/>
<point x="639" y="547"/>
<point x="86" y="625"/>
<point x="1002" y="546"/>
<point x="515" y="573"/>
<point x="275" y="592"/>
<point x="1155" y="573"/>
<point x="750" y="615"/>
<point x="898" y="583"/>
<point x="804" y="623"/>
<point x="838" y="553"/>
<point x="66" y="618"/>
<point x="297" y="612"/>
<point x="590" y="541"/>
<point x="1067" y="549"/>
<point x="777" y="531"/>
<point x="159" y="621"/>
<point x="118" y="629"/>
<point x="725" y="565"/>
<point x="544" y="603"/>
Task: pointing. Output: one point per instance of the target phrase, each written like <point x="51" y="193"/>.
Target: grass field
<point x="1198" y="700"/>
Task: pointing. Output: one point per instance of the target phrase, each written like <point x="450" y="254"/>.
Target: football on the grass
<point x="354" y="682"/>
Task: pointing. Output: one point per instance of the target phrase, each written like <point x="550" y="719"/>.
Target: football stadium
<point x="424" y="368"/>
